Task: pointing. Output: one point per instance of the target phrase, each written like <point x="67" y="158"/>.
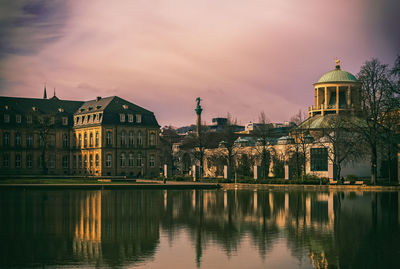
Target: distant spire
<point x="44" y="92"/>
<point x="54" y="95"/>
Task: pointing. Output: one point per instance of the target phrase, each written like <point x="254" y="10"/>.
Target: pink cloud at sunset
<point x="241" y="57"/>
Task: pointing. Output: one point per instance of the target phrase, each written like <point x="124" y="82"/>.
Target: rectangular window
<point x="91" y="160"/>
<point x="130" y="118"/>
<point x="74" y="161"/>
<point x="18" y="118"/>
<point x="6" y="139"/>
<point x="29" y="119"/>
<point x="17" y="140"/>
<point x="64" y="120"/>
<point x="91" y="140"/>
<point x="138" y="118"/>
<point x="139" y="160"/>
<point x="79" y="161"/>
<point x="52" y="162"/>
<point x="97" y="161"/>
<point x="65" y="162"/>
<point x="319" y="159"/>
<point x="52" y="120"/>
<point x="122" y="117"/>
<point x="29" y="140"/>
<point x="151" y="161"/>
<point x="65" y="140"/>
<point x="17" y="160"/>
<point x="29" y="161"/>
<point x="6" y="160"/>
<point x="6" y="118"/>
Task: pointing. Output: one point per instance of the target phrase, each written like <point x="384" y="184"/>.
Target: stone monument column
<point x="198" y="110"/>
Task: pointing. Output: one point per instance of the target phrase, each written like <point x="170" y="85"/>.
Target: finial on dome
<point x="337" y="62"/>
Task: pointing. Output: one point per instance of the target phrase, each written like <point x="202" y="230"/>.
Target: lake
<point x="248" y="228"/>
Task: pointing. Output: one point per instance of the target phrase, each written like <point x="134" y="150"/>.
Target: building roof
<point x="324" y="122"/>
<point x="48" y="106"/>
<point x="113" y="106"/>
<point x="337" y="75"/>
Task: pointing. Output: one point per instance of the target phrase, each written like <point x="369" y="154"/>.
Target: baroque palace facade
<point x="102" y="137"/>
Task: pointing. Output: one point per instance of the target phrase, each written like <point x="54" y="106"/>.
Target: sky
<point x="240" y="57"/>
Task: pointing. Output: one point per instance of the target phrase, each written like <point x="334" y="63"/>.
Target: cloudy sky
<point x="241" y="57"/>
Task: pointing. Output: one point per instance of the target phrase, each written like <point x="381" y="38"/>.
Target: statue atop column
<point x="198" y="110"/>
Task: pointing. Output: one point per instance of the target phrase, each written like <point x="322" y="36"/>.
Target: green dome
<point x="337" y="75"/>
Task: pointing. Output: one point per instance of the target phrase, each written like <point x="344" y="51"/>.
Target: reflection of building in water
<point x="87" y="235"/>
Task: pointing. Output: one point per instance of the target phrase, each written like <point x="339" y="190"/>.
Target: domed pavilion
<point x="335" y="92"/>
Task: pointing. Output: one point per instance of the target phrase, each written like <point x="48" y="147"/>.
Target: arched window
<point x="65" y="140"/>
<point x="123" y="139"/>
<point x="122" y="160"/>
<point x="139" y="138"/>
<point x="91" y="160"/>
<point x="108" y="160"/>
<point x="109" y="138"/>
<point x="130" y="159"/>
<point x="85" y="140"/>
<point x="131" y="139"/>
<point x="85" y="164"/>
<point x="80" y="141"/>
<point x="97" y="160"/>
<point x="152" y="139"/>
<point x="91" y="139"/>
<point x="97" y="139"/>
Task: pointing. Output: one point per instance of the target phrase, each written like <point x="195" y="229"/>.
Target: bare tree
<point x="301" y="144"/>
<point x="344" y="144"/>
<point x="376" y="90"/>
<point x="168" y="138"/>
<point x="263" y="133"/>
<point x="45" y="125"/>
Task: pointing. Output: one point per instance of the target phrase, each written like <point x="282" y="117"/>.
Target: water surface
<point x="198" y="229"/>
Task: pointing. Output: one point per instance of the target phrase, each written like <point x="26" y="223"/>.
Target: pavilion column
<point x="348" y="96"/>
<point x="325" y="101"/>
<point x="337" y="99"/>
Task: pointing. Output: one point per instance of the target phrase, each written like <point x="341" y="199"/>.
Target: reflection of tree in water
<point x="121" y="227"/>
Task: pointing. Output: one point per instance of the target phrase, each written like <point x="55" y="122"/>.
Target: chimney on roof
<point x="44" y="92"/>
<point x="98" y="98"/>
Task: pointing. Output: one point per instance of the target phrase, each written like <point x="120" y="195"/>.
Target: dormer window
<point x="94" y="117"/>
<point x="83" y="119"/>
<point x="130" y="118"/>
<point x="77" y="120"/>
<point x="98" y="107"/>
<point x="90" y="108"/>
<point x="125" y="106"/>
<point x="122" y="117"/>
<point x="88" y="118"/>
<point x="82" y="109"/>
<point x="61" y="109"/>
<point x="138" y="118"/>
<point x="18" y="118"/>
